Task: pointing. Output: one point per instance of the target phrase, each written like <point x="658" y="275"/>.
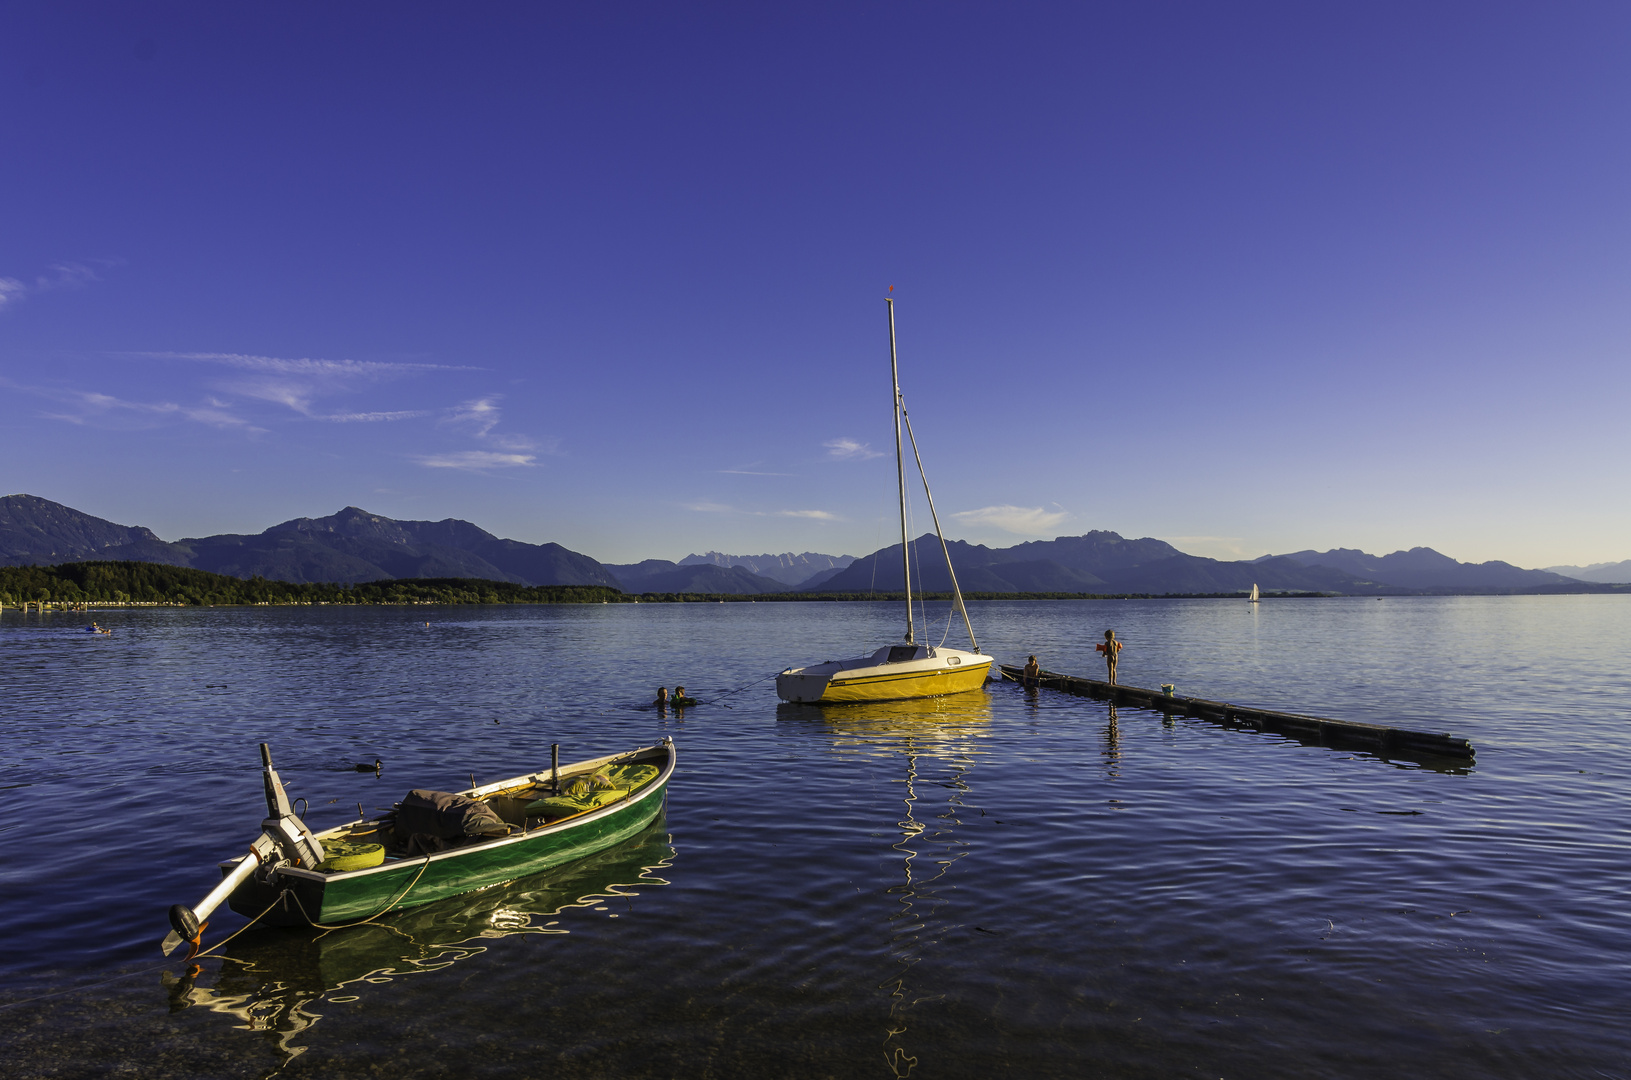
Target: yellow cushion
<point x="340" y="855"/>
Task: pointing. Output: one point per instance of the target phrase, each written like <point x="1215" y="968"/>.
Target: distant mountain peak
<point x="38" y="531"/>
<point x="358" y="523"/>
<point x="351" y="545"/>
<point x="786" y="568"/>
<point x="1425" y="568"/>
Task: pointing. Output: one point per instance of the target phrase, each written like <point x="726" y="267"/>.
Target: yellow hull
<point x="900" y="686"/>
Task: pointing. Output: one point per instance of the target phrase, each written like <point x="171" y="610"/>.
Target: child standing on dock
<point x="1110" y="648"/>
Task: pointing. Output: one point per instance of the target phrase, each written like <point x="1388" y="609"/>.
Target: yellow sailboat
<point x="911" y="669"/>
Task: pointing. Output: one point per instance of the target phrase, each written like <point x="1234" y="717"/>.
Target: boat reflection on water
<point x="937" y="742"/>
<point x="952" y="723"/>
<point x="271" y="980"/>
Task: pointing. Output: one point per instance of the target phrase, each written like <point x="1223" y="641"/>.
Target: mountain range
<point x="661" y="575"/>
<point x="1096" y="562"/>
<point x="1608" y="572"/>
<point x="789" y="569"/>
<point x="350" y="546"/>
<point x="356" y="546"/>
<point x="740" y="575"/>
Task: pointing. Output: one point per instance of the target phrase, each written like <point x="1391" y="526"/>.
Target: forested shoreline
<point x="146" y="583"/>
<point x="158" y="583"/>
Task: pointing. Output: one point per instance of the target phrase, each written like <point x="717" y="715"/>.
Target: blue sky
<point x="1248" y="278"/>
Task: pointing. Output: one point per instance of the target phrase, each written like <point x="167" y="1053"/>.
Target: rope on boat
<point x="739" y="689"/>
<point x="241" y="929"/>
<point x="389" y="905"/>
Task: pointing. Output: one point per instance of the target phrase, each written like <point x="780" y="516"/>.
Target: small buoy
<point x="374" y="768"/>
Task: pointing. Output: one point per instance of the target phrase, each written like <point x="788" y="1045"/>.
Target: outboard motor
<point x="284" y="841"/>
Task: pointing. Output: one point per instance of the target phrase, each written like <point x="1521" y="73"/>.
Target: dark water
<point x="989" y="884"/>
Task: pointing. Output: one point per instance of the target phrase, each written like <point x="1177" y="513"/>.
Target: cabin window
<point x="900" y="653"/>
<point x="953" y="661"/>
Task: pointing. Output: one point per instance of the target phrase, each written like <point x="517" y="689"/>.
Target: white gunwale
<point x="655" y="788"/>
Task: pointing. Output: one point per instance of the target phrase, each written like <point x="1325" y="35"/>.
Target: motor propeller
<point x="284" y="840"/>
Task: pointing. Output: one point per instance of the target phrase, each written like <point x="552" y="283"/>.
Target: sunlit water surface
<point x="991" y="884"/>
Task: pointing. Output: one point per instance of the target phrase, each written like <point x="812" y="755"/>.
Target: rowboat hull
<point x="950" y="671"/>
<point x="298" y="896"/>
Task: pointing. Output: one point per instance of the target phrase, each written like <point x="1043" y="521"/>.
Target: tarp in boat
<point x="446" y="816"/>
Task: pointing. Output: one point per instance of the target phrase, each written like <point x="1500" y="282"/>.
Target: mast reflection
<point x="937" y="743"/>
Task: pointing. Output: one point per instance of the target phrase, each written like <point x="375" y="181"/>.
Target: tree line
<point x="157" y="583"/>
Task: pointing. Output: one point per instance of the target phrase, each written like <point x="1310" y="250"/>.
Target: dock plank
<point x="1318" y="730"/>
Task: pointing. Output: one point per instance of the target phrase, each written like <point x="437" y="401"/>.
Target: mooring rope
<point x="391" y="904"/>
<point x="86" y="986"/>
<point x="277" y="900"/>
<point x="739" y="689"/>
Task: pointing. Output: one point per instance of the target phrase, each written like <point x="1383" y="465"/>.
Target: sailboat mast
<point x="900" y="469"/>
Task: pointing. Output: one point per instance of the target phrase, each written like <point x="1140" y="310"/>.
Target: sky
<point x="1249" y="278"/>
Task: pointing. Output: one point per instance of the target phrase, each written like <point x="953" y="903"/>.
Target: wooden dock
<point x="1312" y="730"/>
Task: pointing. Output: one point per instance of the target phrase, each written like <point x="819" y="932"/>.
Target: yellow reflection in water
<point x="938" y="734"/>
<point x="930" y="725"/>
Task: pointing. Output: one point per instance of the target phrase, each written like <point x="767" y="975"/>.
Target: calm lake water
<point x="991" y="884"/>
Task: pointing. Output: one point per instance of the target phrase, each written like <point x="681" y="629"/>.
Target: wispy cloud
<point x="374" y="417"/>
<point x="724" y="508"/>
<point x="751" y="472"/>
<point x="91" y="408"/>
<point x="1020" y="520"/>
<point x="480" y="415"/>
<point x="475" y="460"/>
<point x="305" y="365"/>
<point x="64" y="275"/>
<point x="297" y="383"/>
<point x="850" y="450"/>
<point x="476" y="419"/>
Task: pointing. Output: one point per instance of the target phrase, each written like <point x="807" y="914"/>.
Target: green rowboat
<point x="549" y="817"/>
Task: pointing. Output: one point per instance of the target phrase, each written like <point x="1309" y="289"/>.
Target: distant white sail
<point x="1253" y="599"/>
